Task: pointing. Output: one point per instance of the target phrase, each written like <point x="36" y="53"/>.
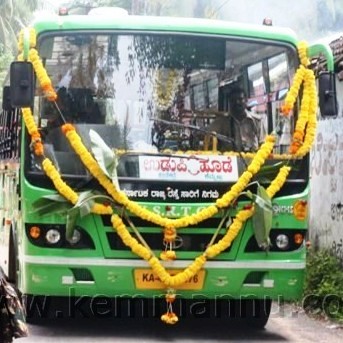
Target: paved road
<point x="285" y="325"/>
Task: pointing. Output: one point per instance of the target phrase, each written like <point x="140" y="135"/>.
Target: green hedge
<point x="323" y="293"/>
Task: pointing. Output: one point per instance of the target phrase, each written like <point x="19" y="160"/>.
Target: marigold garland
<point x="32" y="38"/>
<point x="304" y="133"/>
<point x="42" y="75"/>
<point x="212" y="251"/>
<point x="65" y="190"/>
<point x="206" y="213"/>
<point x="169" y="238"/>
<point x="36" y="141"/>
<point x="311" y="122"/>
<point x="59" y="184"/>
<point x="44" y="82"/>
<point x="302" y="51"/>
<point x="170" y="317"/>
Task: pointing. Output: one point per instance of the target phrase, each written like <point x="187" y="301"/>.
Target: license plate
<point x="146" y="279"/>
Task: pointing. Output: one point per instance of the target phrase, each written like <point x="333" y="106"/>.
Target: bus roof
<point x="162" y="24"/>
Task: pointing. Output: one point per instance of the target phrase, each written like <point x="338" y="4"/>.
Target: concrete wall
<point x="326" y="201"/>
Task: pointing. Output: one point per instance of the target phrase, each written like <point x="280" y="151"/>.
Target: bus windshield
<point x="159" y="92"/>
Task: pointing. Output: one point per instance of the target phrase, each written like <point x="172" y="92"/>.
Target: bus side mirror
<point x="327" y="94"/>
<point x="21" y="84"/>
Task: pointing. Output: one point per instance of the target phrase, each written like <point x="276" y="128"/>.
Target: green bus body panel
<point x="115" y="281"/>
<point x="324" y="49"/>
<point x="112" y="271"/>
<point x="165" y="24"/>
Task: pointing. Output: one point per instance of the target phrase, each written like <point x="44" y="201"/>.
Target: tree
<point x="84" y="6"/>
<point x="14" y="15"/>
<point x="5" y="59"/>
<point x="189" y="8"/>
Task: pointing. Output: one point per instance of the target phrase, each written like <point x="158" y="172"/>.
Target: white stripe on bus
<point x="83" y="261"/>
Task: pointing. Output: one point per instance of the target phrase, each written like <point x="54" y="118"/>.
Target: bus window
<point x="198" y="96"/>
<point x="256" y="81"/>
<point x="212" y="93"/>
<point x="278" y="72"/>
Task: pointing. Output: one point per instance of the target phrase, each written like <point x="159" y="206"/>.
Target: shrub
<point x="323" y="293"/>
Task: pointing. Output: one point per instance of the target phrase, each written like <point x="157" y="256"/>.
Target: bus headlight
<point x="53" y="236"/>
<point x="282" y="242"/>
<point x="76" y="237"/>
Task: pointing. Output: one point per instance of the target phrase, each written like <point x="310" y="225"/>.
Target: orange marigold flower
<point x="52" y="97"/>
<point x="38" y="149"/>
<point x="294" y="148"/>
<point x="169" y="234"/>
<point x="51" y="94"/>
<point x="35" y="136"/>
<point x="46" y="86"/>
<point x="170" y="318"/>
<point x="286" y="109"/>
<point x="298" y="135"/>
<point x="170" y="297"/>
<point x="67" y="127"/>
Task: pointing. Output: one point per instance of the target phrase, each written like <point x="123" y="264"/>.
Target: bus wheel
<point x="13" y="265"/>
<point x="41" y="307"/>
<point x="255" y="312"/>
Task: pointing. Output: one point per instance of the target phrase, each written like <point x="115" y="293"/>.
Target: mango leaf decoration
<point x="263" y="216"/>
<point x="82" y="208"/>
<point x="51" y="204"/>
<point x="57" y="204"/>
<point x="268" y="172"/>
<point x="105" y="157"/>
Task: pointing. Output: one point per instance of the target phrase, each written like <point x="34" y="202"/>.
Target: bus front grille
<point x="185" y="242"/>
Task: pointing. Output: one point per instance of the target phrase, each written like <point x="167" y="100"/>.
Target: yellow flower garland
<point x="304" y="134"/>
<point x="32" y="38"/>
<point x="309" y="121"/>
<point x="212" y="251"/>
<point x="305" y="118"/>
<point x="206" y="213"/>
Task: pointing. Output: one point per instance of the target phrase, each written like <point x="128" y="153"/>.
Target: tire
<point x="37" y="308"/>
<point x="255" y="312"/>
<point x="251" y="313"/>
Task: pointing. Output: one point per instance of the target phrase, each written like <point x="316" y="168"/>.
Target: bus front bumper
<point x="62" y="276"/>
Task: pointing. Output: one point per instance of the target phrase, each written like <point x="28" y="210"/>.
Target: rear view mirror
<point x="6" y="99"/>
<point x="327" y="94"/>
<point x="21" y="84"/>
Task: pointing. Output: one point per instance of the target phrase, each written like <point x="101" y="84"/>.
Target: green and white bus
<point x="112" y="185"/>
